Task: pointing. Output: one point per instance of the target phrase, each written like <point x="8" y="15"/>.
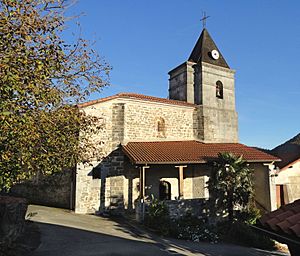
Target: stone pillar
<point x="117" y="124"/>
<point x="87" y="189"/>
<point x="272" y="173"/>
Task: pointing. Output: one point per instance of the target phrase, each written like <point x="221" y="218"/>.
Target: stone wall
<point x="118" y="120"/>
<point x="141" y="122"/>
<point x="180" y="208"/>
<point x="218" y="116"/>
<point x="217" y="125"/>
<point x="209" y="75"/>
<point x="12" y="220"/>
<point x="181" y="83"/>
<point x="56" y="190"/>
<point x="263" y="187"/>
<point x="216" y="119"/>
<point x="87" y="189"/>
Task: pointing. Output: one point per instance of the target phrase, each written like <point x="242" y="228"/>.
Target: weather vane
<point x="204" y="18"/>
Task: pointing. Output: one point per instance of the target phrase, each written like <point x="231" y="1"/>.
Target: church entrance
<point x="164" y="190"/>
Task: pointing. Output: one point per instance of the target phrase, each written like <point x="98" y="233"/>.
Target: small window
<point x="219" y="90"/>
<point x="161" y="128"/>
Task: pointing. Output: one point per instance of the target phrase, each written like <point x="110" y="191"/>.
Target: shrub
<point x="243" y="234"/>
<point x="157" y="217"/>
<point x="193" y="228"/>
<point x="248" y="216"/>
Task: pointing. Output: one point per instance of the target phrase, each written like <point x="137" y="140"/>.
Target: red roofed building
<point x="288" y="174"/>
<point x="163" y="147"/>
<point x="283" y="225"/>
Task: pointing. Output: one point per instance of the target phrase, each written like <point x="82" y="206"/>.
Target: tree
<point x="42" y="78"/>
<point x="230" y="184"/>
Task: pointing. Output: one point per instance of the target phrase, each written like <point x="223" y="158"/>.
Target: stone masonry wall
<point x="217" y="125"/>
<point x="56" y="190"/>
<point x="263" y="186"/>
<point x="117" y="132"/>
<point x="88" y="189"/>
<point x="217" y="117"/>
<point x="180" y="208"/>
<point x="181" y="83"/>
<point x="141" y="122"/>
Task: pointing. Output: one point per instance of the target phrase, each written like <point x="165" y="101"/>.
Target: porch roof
<point x="189" y="152"/>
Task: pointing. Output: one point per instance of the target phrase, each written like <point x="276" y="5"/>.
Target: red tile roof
<point x="167" y="152"/>
<point x="285" y="220"/>
<point x="137" y="97"/>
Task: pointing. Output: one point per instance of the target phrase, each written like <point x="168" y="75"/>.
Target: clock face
<point x="215" y="54"/>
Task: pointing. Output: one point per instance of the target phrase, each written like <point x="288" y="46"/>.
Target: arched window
<point x="164" y="190"/>
<point x="219" y="90"/>
<point x="160" y="126"/>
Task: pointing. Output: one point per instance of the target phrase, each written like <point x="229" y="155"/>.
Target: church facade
<point x="162" y="147"/>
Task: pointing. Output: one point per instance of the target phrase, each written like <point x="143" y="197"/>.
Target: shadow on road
<point x="189" y="247"/>
<point x="60" y="240"/>
<point x="66" y="233"/>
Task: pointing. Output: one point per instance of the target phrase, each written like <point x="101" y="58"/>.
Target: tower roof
<point x="202" y="51"/>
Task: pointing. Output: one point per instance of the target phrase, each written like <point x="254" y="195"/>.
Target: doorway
<point x="280" y="195"/>
<point x="164" y="190"/>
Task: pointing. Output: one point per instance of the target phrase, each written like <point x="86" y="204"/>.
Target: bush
<point x="243" y="234"/>
<point x="249" y="216"/>
<point x="193" y="228"/>
<point x="157" y="217"/>
<point x="198" y="228"/>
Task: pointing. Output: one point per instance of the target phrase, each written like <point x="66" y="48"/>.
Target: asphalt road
<point x="66" y="233"/>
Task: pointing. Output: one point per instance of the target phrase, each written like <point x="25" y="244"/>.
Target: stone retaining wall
<point x="180" y="208"/>
<point x="12" y="219"/>
<point x="55" y="190"/>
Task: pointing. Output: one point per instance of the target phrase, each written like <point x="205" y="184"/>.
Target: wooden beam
<point x="180" y="180"/>
<point x="142" y="188"/>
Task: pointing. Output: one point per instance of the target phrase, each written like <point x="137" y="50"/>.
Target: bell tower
<point x="206" y="80"/>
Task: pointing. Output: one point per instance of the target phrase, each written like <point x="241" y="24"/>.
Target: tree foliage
<point x="42" y="78"/>
<point x="230" y="185"/>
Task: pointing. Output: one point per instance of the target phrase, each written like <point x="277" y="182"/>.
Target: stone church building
<point x="161" y="147"/>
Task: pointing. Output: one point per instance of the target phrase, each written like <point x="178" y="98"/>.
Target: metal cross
<point x="204" y="18"/>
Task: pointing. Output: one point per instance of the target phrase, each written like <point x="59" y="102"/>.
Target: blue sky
<point x="142" y="40"/>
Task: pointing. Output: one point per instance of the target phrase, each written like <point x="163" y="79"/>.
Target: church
<point x="156" y="147"/>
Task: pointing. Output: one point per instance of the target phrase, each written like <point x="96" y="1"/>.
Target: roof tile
<point x="166" y="152"/>
<point x="137" y="97"/>
<point x="284" y="220"/>
<point x="295" y="229"/>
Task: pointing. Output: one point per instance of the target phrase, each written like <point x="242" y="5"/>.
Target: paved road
<point x="66" y="233"/>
